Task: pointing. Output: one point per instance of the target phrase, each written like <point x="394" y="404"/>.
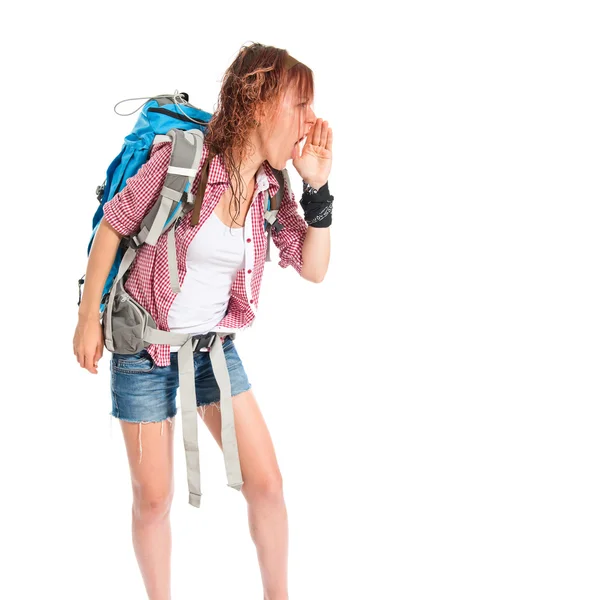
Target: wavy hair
<point x="252" y="85"/>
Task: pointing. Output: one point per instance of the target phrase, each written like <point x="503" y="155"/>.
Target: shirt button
<point x="251" y="301"/>
<point x="249" y="270"/>
<point x="249" y="240"/>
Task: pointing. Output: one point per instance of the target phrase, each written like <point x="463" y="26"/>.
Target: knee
<point x="268" y="488"/>
<point x="151" y="505"/>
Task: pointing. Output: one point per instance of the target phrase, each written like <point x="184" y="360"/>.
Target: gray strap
<point x="181" y="171"/>
<point x="125" y="264"/>
<point x="158" y="336"/>
<point x="197" y="156"/>
<point x="197" y="141"/>
<point x="170" y="193"/>
<point x="189" y="136"/>
<point x="172" y="255"/>
<point x="159" y="139"/>
<point x="228" y="437"/>
<point x="187" y="384"/>
<point x="271" y="216"/>
<point x="160" y="219"/>
<point x="141" y="235"/>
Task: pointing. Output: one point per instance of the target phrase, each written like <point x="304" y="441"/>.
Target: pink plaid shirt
<point x="148" y="282"/>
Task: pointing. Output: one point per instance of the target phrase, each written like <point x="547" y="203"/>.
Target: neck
<point x="250" y="165"/>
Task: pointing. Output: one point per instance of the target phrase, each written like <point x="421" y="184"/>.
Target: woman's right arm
<point x="88" y="342"/>
<point x="123" y="215"/>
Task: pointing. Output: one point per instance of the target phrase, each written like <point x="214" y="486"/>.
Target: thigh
<point x="143" y="399"/>
<point x="257" y="454"/>
<point x="150" y="455"/>
<point x="255" y="446"/>
<point x="140" y="390"/>
<point x="207" y="389"/>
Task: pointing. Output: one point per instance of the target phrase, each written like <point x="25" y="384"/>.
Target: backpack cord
<point x="178" y="100"/>
<point x="185" y="103"/>
<point x="138" y="108"/>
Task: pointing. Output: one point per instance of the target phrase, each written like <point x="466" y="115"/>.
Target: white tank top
<point x="213" y="259"/>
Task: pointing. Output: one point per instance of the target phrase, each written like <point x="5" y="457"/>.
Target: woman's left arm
<point x="301" y="246"/>
<point x="315" y="254"/>
<point x="314" y="166"/>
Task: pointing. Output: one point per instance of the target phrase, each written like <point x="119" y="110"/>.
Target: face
<point x="279" y="137"/>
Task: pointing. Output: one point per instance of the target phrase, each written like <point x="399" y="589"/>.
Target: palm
<point x="314" y="165"/>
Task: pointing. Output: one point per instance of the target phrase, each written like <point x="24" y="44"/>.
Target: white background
<point x="433" y="403"/>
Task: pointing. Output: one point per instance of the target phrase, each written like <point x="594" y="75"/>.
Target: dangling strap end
<point x="194" y="499"/>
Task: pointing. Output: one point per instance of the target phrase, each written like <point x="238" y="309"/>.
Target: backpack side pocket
<point x="129" y="321"/>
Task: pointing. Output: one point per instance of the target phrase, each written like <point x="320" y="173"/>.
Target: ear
<point x="265" y="116"/>
<point x="261" y="113"/>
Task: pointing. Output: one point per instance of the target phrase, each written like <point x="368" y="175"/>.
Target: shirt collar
<point x="265" y="178"/>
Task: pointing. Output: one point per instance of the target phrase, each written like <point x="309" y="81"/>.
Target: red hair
<point x="253" y="84"/>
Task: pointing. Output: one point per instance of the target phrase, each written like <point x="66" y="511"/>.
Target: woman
<point x="263" y="114"/>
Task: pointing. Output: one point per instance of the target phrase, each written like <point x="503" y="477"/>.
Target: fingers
<point x="310" y="139"/>
<point x="89" y="363"/>
<point x="98" y="354"/>
<point x="321" y="134"/>
<point x="88" y="360"/>
<point x="88" y="349"/>
<point x="317" y="135"/>
<point x="323" y="138"/>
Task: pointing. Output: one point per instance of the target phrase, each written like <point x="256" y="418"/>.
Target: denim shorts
<point x="143" y="392"/>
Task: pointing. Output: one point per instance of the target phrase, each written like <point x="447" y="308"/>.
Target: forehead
<point x="297" y="92"/>
<point x="292" y="94"/>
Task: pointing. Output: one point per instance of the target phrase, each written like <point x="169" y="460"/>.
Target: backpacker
<point x="127" y="326"/>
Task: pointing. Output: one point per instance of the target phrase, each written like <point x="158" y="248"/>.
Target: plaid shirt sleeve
<point x="126" y="210"/>
<point x="290" y="239"/>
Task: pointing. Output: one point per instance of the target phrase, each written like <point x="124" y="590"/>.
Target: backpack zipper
<point x="175" y="115"/>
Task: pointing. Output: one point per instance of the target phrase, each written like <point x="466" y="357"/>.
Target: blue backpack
<point x="163" y="118"/>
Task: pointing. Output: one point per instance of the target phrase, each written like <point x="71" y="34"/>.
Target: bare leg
<point x="262" y="488"/>
<point x="150" y="454"/>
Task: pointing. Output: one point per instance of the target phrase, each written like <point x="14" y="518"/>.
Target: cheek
<point x="283" y="135"/>
<point x="286" y="130"/>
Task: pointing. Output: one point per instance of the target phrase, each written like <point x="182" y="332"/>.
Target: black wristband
<point x="317" y="205"/>
<point x="312" y="194"/>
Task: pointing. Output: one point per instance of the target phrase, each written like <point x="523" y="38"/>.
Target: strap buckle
<point x="134" y="242"/>
<point x="203" y="341"/>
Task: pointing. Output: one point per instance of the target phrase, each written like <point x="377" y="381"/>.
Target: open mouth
<point x="299" y="144"/>
<point x="297" y="148"/>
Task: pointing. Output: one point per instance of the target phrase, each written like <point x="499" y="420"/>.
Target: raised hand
<point x="314" y="165"/>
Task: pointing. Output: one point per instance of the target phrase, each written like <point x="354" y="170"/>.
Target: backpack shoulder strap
<point x="186" y="153"/>
<point x="272" y="204"/>
<point x="183" y="166"/>
<point x="272" y="207"/>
